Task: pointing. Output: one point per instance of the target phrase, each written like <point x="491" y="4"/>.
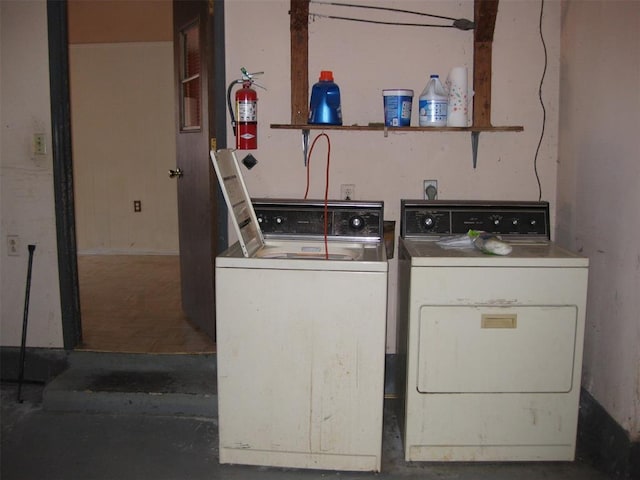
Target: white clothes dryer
<point x="491" y="345"/>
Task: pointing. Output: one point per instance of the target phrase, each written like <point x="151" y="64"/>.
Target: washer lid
<point x="238" y="201"/>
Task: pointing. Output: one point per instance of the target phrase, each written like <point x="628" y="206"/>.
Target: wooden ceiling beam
<point x="485" y="13"/>
<point x="299" y="19"/>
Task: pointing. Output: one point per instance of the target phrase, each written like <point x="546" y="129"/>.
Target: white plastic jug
<point x="433" y="104"/>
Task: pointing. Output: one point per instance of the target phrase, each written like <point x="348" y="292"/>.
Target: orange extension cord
<point x="326" y="189"/>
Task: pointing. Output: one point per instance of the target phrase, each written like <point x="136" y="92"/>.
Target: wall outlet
<point x="137" y="205"/>
<point x="13" y="245"/>
<point x="39" y="144"/>
<point x="347" y="191"/>
<point x="430" y="189"/>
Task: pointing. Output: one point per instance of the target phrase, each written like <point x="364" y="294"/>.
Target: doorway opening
<point x="133" y="304"/>
<point x="114" y="298"/>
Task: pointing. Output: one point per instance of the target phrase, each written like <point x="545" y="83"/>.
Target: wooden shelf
<point x="381" y="128"/>
<point x="475" y="132"/>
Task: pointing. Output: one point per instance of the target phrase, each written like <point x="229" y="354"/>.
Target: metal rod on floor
<point x="25" y="319"/>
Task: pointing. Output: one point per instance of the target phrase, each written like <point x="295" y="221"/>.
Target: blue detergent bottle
<point x="324" y="108"/>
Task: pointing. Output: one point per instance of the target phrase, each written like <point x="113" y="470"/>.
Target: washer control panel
<point x="362" y="221"/>
<point x="420" y="218"/>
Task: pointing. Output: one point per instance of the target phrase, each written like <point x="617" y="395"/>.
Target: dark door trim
<point x="63" y="172"/>
<point x="218" y="114"/>
<point x="62" y="157"/>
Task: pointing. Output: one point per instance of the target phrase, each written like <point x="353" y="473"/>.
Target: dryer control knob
<point x="356" y="223"/>
<point x="279" y="220"/>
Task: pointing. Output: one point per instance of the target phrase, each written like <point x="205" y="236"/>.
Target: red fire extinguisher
<point x="244" y="117"/>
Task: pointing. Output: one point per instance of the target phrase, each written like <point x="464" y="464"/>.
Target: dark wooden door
<point x="198" y="206"/>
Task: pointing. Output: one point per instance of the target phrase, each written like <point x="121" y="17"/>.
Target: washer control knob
<point x="515" y="222"/>
<point x="428" y="222"/>
<point x="356" y="222"/>
<point x="279" y="220"/>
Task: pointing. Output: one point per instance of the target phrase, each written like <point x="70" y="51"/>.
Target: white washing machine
<point x="301" y="325"/>
<point x="491" y="345"/>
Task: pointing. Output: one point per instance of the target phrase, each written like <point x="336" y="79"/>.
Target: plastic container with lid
<point x="324" y="108"/>
<point x="433" y="104"/>
<point x="397" y="107"/>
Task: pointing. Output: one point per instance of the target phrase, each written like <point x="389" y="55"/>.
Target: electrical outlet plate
<point x="39" y="144"/>
<point x="430" y="189"/>
<point x="13" y="245"/>
<point x="347" y="191"/>
<point x="137" y="205"/>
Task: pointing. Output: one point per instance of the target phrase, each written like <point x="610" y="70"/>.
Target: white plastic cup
<point x="397" y="107"/>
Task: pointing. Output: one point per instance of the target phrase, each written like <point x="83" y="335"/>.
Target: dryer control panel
<point x="421" y="218"/>
<point x="283" y="218"/>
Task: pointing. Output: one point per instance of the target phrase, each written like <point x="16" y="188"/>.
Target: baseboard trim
<point x="120" y="252"/>
<point x="604" y="443"/>
<point x="40" y="364"/>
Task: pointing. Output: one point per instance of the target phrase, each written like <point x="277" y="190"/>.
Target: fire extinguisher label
<point x="247" y="111"/>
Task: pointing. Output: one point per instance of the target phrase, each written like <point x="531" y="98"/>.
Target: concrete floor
<point x="38" y="444"/>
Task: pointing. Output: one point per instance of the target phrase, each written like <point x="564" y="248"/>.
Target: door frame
<point x="60" y="92"/>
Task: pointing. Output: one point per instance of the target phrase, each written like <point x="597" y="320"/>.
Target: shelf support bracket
<point x="475" y="138"/>
<point x="305" y="145"/>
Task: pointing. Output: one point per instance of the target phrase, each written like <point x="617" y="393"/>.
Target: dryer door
<point x="484" y="349"/>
